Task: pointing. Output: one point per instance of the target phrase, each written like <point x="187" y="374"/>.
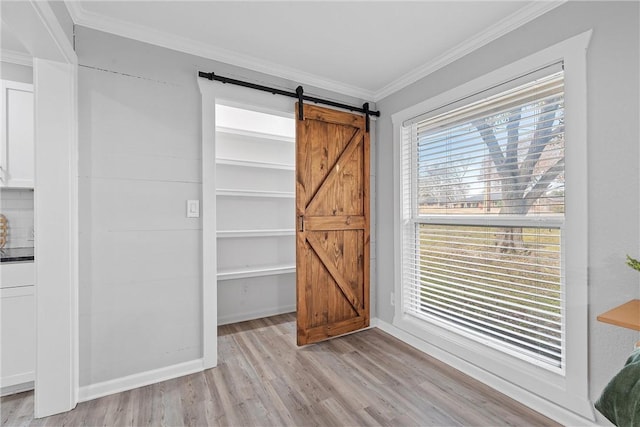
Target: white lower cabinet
<point x="17" y="330"/>
<point x="14" y="274"/>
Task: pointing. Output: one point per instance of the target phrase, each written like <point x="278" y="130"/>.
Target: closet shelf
<point x="255" y="193"/>
<point x="229" y="234"/>
<point x="256" y="272"/>
<point x="252" y="134"/>
<point x="254" y="164"/>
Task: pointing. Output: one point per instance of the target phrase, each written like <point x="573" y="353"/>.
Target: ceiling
<point x="367" y="49"/>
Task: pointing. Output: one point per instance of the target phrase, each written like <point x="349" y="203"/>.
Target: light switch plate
<point x="193" y="208"/>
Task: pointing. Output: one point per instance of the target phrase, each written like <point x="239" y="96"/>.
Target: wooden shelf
<point x="256" y="272"/>
<point x="254" y="164"/>
<point x="255" y="193"/>
<point x="230" y="234"/>
<point x="626" y="315"/>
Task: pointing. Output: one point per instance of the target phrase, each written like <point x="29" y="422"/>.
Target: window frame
<point x="412" y="220"/>
<point x="569" y="387"/>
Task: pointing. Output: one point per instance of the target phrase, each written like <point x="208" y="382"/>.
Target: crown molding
<point x="82" y="17"/>
<point x="15" y="57"/>
<point x="502" y="27"/>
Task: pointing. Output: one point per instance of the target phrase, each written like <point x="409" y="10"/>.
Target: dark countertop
<point x="16" y="254"/>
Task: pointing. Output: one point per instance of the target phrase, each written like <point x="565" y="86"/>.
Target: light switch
<point x="193" y="208"/>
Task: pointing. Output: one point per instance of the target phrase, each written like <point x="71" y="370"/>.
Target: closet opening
<point x="284" y="198"/>
<point x="255" y="212"/>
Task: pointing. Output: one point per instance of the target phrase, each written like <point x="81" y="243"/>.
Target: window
<point x="491" y="266"/>
<point x="483" y="211"/>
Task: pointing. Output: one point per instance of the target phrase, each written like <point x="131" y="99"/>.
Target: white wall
<point x="140" y="144"/>
<point x="613" y="111"/>
<point x="139" y="263"/>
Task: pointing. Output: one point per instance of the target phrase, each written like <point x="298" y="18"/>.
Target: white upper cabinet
<point x="16" y="151"/>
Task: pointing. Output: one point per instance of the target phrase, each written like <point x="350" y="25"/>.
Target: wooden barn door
<point x="332" y="211"/>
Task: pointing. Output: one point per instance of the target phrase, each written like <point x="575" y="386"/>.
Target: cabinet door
<point x="16" y="161"/>
<point x="18" y="335"/>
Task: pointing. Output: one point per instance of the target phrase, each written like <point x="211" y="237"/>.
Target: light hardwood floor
<point x="263" y="379"/>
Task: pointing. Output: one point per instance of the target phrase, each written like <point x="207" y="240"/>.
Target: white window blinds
<point x="483" y="212"/>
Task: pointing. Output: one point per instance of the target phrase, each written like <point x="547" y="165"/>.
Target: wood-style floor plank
<point x="263" y="379"/>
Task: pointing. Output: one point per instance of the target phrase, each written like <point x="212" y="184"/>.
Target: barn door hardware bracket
<point x="299" y="94"/>
<point x="365" y="107"/>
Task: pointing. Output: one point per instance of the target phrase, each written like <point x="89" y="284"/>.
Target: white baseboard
<point x="16" y="388"/>
<point x="142" y="379"/>
<point x="259" y="314"/>
<point x="17" y="379"/>
<point x="543" y="406"/>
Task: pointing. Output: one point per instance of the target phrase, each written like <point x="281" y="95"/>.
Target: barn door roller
<point x="299" y="94"/>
